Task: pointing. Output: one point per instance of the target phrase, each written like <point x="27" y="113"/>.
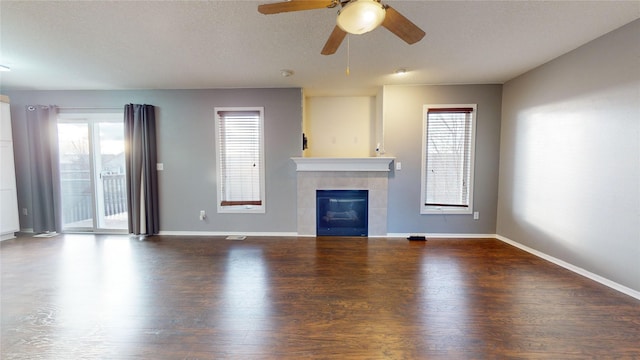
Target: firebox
<point x="342" y="212"/>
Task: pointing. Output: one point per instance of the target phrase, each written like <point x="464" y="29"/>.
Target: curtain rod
<point x="90" y="108"/>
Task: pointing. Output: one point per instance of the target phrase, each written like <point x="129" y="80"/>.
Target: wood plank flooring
<point x="170" y="297"/>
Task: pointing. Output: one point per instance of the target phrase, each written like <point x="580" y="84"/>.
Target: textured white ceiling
<point x="228" y="44"/>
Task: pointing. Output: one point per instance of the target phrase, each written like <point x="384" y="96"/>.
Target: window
<point x="447" y="159"/>
<point x="240" y="160"/>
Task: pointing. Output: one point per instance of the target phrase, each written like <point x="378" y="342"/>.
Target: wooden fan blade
<point x="293" y="5"/>
<point x="334" y="41"/>
<point x="402" y="27"/>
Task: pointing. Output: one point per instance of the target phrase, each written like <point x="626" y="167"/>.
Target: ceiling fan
<point x="354" y="17"/>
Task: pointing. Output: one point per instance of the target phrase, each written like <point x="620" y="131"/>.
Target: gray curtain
<point x="140" y="162"/>
<point x="42" y="132"/>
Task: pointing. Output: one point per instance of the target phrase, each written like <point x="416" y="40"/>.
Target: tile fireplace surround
<point x="343" y="174"/>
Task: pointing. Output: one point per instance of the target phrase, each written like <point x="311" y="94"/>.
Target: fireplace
<point x="369" y="174"/>
<point x="342" y="212"/>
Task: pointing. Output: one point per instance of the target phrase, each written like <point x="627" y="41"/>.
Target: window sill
<point x="241" y="209"/>
<point x="445" y="211"/>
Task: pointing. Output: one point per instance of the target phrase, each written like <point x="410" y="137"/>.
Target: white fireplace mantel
<point x="342" y="164"/>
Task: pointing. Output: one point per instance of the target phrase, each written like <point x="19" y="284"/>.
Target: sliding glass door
<point x="92" y="172"/>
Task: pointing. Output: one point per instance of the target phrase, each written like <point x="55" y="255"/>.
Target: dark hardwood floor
<point x="169" y="297"/>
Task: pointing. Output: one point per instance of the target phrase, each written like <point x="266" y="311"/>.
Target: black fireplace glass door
<point x="342" y="212"/>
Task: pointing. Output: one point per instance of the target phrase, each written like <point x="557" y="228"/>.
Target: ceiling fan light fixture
<point x="361" y="16"/>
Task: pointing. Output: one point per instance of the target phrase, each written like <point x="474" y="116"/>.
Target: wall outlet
<point x="203" y="214"/>
<point x="25" y="211"/>
<point x="398" y="165"/>
<point x="476" y="215"/>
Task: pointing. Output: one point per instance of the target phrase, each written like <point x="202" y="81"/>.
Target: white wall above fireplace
<point x="342" y="164"/>
<point x="338" y="126"/>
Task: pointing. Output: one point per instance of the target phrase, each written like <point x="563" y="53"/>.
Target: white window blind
<point x="240" y="158"/>
<point x="448" y="158"/>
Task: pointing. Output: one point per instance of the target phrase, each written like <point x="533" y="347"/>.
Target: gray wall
<point x="570" y="158"/>
<point x="185" y="121"/>
<point x="186" y="147"/>
<point x="402" y="117"/>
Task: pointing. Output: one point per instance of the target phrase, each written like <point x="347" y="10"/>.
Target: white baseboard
<point x="294" y="234"/>
<point x="578" y="270"/>
<point x="443" y="236"/>
<point x="7" y="236"/>
<point x="228" y="233"/>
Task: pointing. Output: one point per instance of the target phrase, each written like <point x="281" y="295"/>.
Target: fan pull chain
<point x="348" y="54"/>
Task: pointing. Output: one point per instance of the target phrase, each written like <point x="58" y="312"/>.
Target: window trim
<point x="447" y="209"/>
<point x="244" y="208"/>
